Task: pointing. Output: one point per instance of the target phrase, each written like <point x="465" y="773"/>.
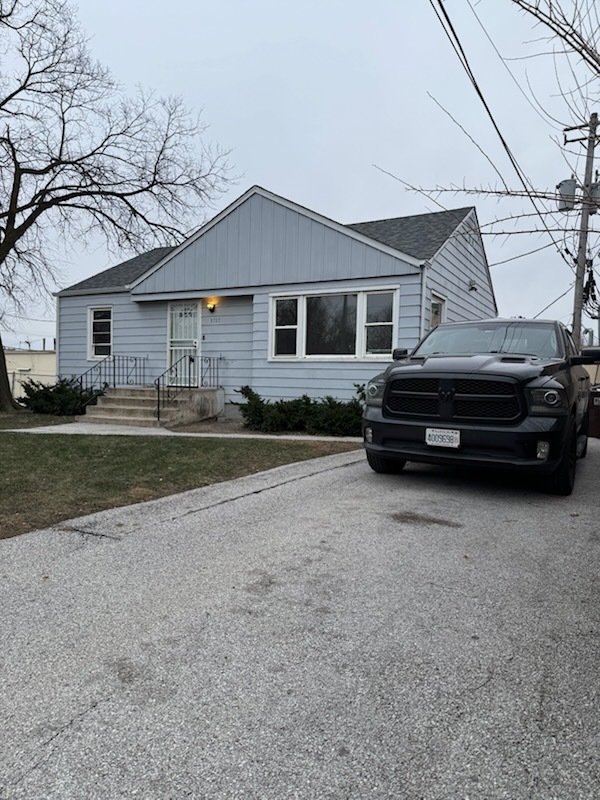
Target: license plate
<point x="441" y="437"/>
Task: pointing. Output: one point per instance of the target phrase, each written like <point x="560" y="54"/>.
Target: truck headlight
<point x="374" y="393"/>
<point x="547" y="401"/>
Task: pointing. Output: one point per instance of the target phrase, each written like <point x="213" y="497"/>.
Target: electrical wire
<point x="454" y="39"/>
<point x="560" y="296"/>
<point x="522" y="255"/>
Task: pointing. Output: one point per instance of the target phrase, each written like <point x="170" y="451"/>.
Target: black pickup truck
<point x="490" y="393"/>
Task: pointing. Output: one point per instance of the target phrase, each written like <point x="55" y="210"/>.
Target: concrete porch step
<point x="139" y="422"/>
<point x="136" y="406"/>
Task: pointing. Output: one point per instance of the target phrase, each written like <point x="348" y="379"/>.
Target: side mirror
<point x="399" y="353"/>
<point x="589" y="355"/>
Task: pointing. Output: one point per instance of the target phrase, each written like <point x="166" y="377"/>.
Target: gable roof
<point x="121" y="275"/>
<point x="415" y="239"/>
<point x="421" y="235"/>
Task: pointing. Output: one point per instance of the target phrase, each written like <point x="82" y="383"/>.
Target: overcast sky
<point x="312" y="97"/>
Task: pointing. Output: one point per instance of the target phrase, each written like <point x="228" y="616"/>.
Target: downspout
<point x="424" y="266"/>
<point x="57" y="339"/>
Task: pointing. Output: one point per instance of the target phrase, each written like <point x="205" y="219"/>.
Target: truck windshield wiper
<point x="512" y="353"/>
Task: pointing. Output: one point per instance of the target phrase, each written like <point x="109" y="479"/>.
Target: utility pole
<point x="583" y="231"/>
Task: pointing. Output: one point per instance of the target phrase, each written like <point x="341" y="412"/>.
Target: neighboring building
<point x="22" y="365"/>
<point x="288" y="301"/>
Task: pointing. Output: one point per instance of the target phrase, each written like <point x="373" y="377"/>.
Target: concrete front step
<point x="131" y="391"/>
<point x="136" y="406"/>
<point x="138" y="422"/>
<point x="121" y="410"/>
<point x="126" y="401"/>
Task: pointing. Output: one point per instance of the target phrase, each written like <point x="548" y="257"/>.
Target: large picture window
<point x="100" y="332"/>
<point x="350" y="324"/>
<point x="331" y="325"/>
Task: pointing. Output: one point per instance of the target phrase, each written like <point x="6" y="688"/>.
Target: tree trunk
<point x="7" y="404"/>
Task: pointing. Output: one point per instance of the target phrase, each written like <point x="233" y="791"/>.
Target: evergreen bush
<point x="326" y="416"/>
<point x="63" y="398"/>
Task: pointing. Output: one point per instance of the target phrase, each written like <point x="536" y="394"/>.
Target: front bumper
<point x="510" y="447"/>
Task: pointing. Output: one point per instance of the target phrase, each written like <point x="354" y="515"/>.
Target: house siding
<point x="262" y="243"/>
<point x="228" y="335"/>
<point x="137" y="331"/>
<point x="461" y="259"/>
<point x="141" y="330"/>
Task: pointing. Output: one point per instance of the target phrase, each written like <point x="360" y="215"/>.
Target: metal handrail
<point x="183" y="375"/>
<point x="115" y="371"/>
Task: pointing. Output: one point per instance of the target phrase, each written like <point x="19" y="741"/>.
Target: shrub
<point x="326" y="416"/>
<point x="336" y="418"/>
<point x="63" y="398"/>
<point x="253" y="408"/>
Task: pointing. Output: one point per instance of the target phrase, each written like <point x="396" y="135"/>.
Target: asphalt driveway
<point x="313" y="632"/>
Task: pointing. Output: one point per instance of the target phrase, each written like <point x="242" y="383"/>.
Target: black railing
<point x="113" y="371"/>
<point x="183" y="374"/>
<point x="209" y="372"/>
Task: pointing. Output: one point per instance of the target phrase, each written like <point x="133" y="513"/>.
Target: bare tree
<point x="78" y="156"/>
<point x="576" y="24"/>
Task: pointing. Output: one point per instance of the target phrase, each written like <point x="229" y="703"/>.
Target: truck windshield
<point x="538" y="339"/>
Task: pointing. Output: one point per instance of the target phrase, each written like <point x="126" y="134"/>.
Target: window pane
<point x="379" y="339"/>
<point x="379" y="307"/>
<point x="285" y="342"/>
<point x="101" y="332"/>
<point x="331" y="325"/>
<point x="436" y="313"/>
<point x="287" y="312"/>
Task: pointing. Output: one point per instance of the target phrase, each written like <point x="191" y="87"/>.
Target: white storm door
<point x="183" y="342"/>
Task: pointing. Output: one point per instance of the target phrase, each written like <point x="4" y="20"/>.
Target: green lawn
<point x="46" y="478"/>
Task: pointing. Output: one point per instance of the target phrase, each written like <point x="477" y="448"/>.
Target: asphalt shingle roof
<point x="420" y="236"/>
<point x="123" y="274"/>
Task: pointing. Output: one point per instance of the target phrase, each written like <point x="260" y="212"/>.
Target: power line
<point x="522" y="255"/>
<point x="560" y="296"/>
<point x="455" y="42"/>
<point x="28" y="319"/>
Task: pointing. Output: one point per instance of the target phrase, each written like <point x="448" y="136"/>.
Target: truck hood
<point x="522" y="368"/>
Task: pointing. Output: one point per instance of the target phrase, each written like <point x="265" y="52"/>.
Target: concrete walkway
<point x="132" y="430"/>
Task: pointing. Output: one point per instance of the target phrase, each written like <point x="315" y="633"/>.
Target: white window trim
<point x="361" y="309"/>
<point x="441" y="299"/>
<point x="90" y="348"/>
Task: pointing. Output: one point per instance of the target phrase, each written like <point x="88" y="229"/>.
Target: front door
<point x="183" y="343"/>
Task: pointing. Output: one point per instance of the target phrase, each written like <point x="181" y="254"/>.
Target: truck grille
<point x="460" y="399"/>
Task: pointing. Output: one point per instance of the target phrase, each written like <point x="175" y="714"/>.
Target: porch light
<point x="211" y="307"/>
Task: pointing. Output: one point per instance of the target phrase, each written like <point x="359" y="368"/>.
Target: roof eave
<point x="98" y="290"/>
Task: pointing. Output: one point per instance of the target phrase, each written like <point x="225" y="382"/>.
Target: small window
<point x="286" y="326"/>
<point x="100" y="332"/>
<point x="437" y="311"/>
<point x="379" y="323"/>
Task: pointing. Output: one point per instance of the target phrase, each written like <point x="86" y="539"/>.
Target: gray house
<point x="276" y="296"/>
